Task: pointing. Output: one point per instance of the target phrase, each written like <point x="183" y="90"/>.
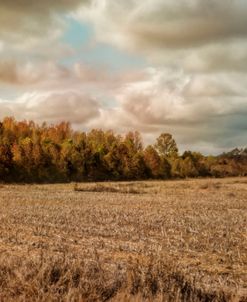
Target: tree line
<point x="30" y="152"/>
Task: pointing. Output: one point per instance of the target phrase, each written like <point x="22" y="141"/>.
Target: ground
<point x="131" y="241"/>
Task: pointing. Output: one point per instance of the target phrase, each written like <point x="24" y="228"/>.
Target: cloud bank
<point x="193" y="84"/>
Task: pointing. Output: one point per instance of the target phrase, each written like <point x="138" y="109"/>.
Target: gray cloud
<point x="31" y="17"/>
<point x="196" y="35"/>
<point x="167" y="24"/>
<point x="15" y="73"/>
<point x="30" y="28"/>
<point x="199" y="24"/>
<point x="227" y="56"/>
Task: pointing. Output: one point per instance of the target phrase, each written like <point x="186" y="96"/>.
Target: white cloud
<point x="52" y="107"/>
<point x="196" y="110"/>
<point x="196" y="88"/>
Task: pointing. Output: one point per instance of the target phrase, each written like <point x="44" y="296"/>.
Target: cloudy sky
<point x="154" y="66"/>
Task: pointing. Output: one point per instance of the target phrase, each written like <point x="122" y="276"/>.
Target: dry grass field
<point x="145" y="241"/>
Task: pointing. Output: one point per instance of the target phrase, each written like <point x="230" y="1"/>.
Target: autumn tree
<point x="6" y="162"/>
<point x="166" y="145"/>
<point x="198" y="161"/>
<point x="153" y="162"/>
<point x="48" y="153"/>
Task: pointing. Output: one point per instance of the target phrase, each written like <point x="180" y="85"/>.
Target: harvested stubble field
<point x="145" y="241"/>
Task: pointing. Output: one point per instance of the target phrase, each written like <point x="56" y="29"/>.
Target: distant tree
<point x="6" y="163"/>
<point x="48" y="153"/>
<point x="138" y="167"/>
<point x="177" y="167"/>
<point x="157" y="167"/>
<point x="116" y="159"/>
<point x="133" y="141"/>
<point x="188" y="168"/>
<point x="166" y="145"/>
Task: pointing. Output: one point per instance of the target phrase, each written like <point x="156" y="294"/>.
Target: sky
<point x="153" y="66"/>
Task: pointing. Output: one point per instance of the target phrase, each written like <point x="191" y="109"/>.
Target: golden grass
<point x="145" y="241"/>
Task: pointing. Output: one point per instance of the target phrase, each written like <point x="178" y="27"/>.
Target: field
<point x="145" y="241"/>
